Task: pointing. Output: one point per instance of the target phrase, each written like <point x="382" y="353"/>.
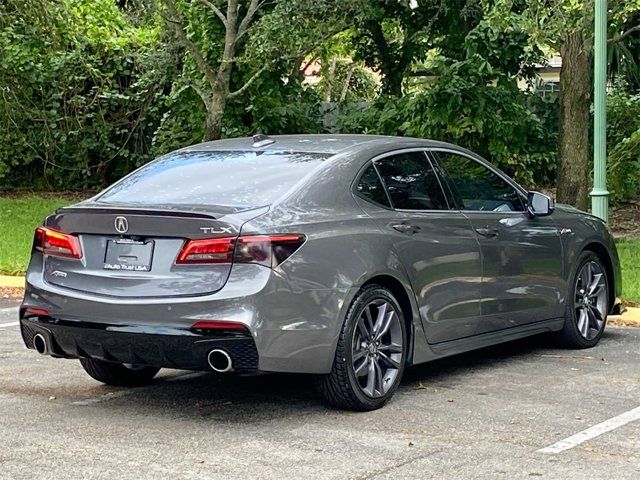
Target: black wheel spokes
<point x="590" y="301"/>
<point x="377" y="348"/>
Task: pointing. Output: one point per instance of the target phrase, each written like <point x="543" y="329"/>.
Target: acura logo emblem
<point x="121" y="224"/>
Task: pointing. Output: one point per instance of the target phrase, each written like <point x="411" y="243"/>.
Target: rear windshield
<point x="234" y="178"/>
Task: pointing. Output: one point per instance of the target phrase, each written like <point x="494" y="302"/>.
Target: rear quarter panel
<point x="344" y="249"/>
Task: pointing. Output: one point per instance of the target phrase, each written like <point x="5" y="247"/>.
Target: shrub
<point x="509" y="127"/>
<point x="623" y="145"/>
<point x="78" y="80"/>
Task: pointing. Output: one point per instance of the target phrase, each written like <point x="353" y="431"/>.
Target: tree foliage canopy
<point x="90" y="89"/>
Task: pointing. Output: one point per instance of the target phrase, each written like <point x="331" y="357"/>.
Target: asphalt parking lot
<point x="480" y="415"/>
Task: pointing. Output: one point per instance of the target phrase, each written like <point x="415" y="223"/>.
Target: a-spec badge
<point x="121" y="224"/>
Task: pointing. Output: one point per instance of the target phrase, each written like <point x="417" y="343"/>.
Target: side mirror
<point x="539" y="204"/>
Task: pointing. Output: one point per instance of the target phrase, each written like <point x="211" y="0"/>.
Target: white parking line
<point x="7" y="325"/>
<point x="592" y="432"/>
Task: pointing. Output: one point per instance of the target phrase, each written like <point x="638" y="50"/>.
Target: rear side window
<point x="225" y="178"/>
<point x="411" y="182"/>
<point x="370" y="187"/>
<point x="478" y="188"/>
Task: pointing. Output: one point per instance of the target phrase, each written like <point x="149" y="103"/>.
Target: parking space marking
<point x="592" y="432"/>
<point x="12" y="324"/>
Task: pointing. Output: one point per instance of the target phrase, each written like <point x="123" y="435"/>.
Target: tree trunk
<point x="393" y="75"/>
<point x="574" y="167"/>
<point x="215" y="113"/>
<point x="345" y="87"/>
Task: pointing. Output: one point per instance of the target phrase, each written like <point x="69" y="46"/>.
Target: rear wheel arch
<point x="603" y="254"/>
<point x="400" y="293"/>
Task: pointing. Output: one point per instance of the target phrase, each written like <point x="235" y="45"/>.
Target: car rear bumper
<point x="152" y="346"/>
<point x="294" y="330"/>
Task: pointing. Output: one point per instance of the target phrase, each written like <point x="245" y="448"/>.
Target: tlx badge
<point x="217" y="230"/>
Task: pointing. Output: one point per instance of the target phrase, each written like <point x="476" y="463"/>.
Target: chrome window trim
<point x="392" y="153"/>
<point x="491" y="168"/>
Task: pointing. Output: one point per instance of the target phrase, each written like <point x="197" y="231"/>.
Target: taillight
<point x="52" y="242"/>
<point x="267" y="250"/>
<point x="208" y="250"/>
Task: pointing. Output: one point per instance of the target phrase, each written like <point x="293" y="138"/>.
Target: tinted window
<point x="478" y="188"/>
<point x="238" y="179"/>
<point x="370" y="187"/>
<point x="411" y="182"/>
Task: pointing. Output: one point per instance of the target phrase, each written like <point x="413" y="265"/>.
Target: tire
<point x="578" y="331"/>
<point x="379" y="376"/>
<point x="117" y="374"/>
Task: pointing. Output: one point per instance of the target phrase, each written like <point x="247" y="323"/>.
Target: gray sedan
<point x="347" y="257"/>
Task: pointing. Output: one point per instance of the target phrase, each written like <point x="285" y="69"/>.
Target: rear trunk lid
<point x="131" y="252"/>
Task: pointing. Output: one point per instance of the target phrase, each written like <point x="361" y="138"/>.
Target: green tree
<point x="566" y="26"/>
<point x="78" y="81"/>
<point x="394" y="34"/>
<point x="216" y="51"/>
<point x="232" y="43"/>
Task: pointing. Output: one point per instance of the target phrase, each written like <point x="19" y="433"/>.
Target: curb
<point x="11" y="282"/>
<point x="630" y="317"/>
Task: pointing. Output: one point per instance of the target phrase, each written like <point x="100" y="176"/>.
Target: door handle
<point x="488" y="232"/>
<point x="406" y="228"/>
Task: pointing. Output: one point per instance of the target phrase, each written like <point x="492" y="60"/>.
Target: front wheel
<point x="117" y="374"/>
<point x="587" y="303"/>
<point x="370" y="355"/>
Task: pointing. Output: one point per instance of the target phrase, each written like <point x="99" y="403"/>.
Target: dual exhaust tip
<point x="218" y="359"/>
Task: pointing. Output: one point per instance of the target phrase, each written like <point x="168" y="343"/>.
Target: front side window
<point x="370" y="187"/>
<point x="477" y="188"/>
<point x="411" y="182"/>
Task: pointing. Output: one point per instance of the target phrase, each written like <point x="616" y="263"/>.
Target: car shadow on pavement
<point x="483" y="358"/>
<point x="527" y="349"/>
<point x="254" y="399"/>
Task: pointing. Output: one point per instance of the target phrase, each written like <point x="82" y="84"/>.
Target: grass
<point x="629" y="251"/>
<point x="19" y="216"/>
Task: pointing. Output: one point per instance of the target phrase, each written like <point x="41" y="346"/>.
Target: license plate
<point x="128" y="255"/>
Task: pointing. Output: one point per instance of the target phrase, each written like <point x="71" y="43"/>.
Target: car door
<point x="436" y="245"/>
<point x="521" y="255"/>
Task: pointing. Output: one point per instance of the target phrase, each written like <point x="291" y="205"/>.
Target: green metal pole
<point x="599" y="194"/>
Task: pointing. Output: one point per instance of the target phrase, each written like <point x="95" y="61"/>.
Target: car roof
<point x="315" y="143"/>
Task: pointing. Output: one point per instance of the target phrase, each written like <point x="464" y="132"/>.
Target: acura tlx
<point x="348" y="257"/>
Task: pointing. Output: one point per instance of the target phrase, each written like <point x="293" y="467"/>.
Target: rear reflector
<point x="220" y="328"/>
<point x="37" y="312"/>
<point x="52" y="242"/>
<point x="267" y="250"/>
<point x="218" y="325"/>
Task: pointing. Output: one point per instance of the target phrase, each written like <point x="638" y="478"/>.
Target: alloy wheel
<point x="590" y="299"/>
<point x="377" y="348"/>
